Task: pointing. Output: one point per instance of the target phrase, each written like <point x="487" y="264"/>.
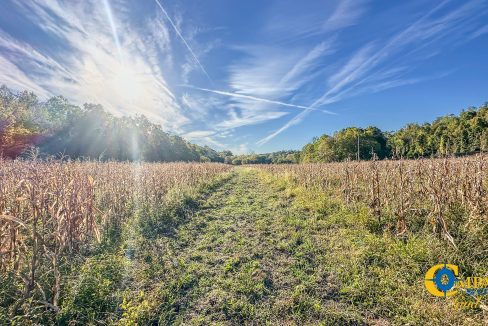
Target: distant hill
<point x="57" y="127"/>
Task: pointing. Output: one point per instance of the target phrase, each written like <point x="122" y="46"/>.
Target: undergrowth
<point x="379" y="273"/>
<point x="96" y="281"/>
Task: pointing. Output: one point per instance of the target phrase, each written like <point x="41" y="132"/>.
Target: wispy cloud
<point x="307" y="68"/>
<point x="259" y="85"/>
<point x="197" y="61"/>
<point x="479" y="32"/>
<point x="204" y="136"/>
<point x="346" y="13"/>
<point x="278" y="72"/>
<point x="111" y="21"/>
<point x="296" y="120"/>
<point x="239" y="118"/>
<point x="267" y="75"/>
<point x="425" y="31"/>
<point x="86" y="68"/>
<point x="311" y="19"/>
<point x="254" y="98"/>
<point x="365" y="69"/>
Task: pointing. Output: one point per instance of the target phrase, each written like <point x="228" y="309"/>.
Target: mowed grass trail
<point x="245" y="256"/>
<point x="258" y="250"/>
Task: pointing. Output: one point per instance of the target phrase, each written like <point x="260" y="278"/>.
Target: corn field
<point x="403" y="191"/>
<point x="55" y="215"/>
<point x="52" y="211"/>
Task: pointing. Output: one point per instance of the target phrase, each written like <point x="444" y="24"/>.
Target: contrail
<point x="258" y="99"/>
<point x="111" y="21"/>
<point x="295" y="120"/>
<point x="184" y="41"/>
<point x="332" y="95"/>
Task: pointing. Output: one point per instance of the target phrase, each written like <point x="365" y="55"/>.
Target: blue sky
<point x="252" y="75"/>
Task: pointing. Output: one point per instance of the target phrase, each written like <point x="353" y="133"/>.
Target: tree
<point x="59" y="127"/>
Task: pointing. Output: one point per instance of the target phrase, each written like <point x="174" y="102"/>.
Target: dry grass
<point x="403" y="192"/>
<point x="50" y="211"/>
<point x="356" y="220"/>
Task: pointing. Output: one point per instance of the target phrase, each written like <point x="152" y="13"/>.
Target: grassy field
<point x="209" y="244"/>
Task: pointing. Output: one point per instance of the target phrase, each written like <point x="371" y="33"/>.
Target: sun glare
<point x="127" y="84"/>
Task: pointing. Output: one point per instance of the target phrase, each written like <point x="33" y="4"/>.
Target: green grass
<point x="377" y="273"/>
<point x="253" y="249"/>
<point x="247" y="256"/>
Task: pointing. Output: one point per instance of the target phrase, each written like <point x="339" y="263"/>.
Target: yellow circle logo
<point x="440" y="280"/>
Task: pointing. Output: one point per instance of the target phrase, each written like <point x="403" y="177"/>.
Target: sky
<point x="252" y="76"/>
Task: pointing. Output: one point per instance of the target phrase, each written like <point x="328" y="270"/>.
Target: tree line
<point x="58" y="128"/>
<point x="281" y="157"/>
<point x="462" y="134"/>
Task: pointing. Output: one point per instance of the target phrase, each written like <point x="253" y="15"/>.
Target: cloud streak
<point x="112" y="26"/>
<point x="347" y="13"/>
<point x="363" y="71"/>
<point x="86" y="68"/>
<point x="296" y="120"/>
<point x="183" y="40"/>
<point x="257" y="99"/>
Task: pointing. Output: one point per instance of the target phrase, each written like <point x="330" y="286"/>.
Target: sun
<point x="128" y="84"/>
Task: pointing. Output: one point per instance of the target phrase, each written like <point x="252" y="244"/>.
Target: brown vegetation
<point x="404" y="192"/>
<point x="51" y="211"/>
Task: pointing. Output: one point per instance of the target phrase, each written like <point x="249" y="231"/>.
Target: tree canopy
<point x="463" y="134"/>
<point x="280" y="157"/>
<point x="58" y="127"/>
<point x="347" y="144"/>
<point x="448" y="135"/>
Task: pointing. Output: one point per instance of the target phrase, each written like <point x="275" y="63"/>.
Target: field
<point x="91" y="243"/>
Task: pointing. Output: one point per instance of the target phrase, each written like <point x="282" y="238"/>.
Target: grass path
<point x="246" y="256"/>
<point x="252" y="249"/>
